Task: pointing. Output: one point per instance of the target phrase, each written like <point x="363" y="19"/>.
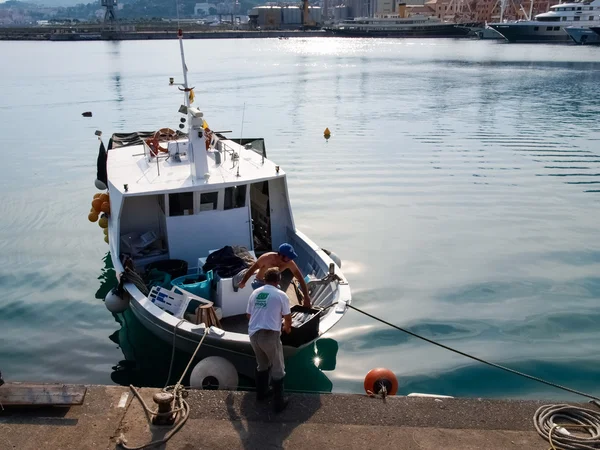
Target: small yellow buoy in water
<point x="106" y="239"/>
<point x="326" y="133"/>
<point x="103" y="222"/>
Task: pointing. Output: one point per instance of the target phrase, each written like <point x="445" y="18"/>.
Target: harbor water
<point x="460" y="187"/>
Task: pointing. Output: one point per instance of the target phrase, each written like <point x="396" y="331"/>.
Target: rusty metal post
<point x="165" y="416"/>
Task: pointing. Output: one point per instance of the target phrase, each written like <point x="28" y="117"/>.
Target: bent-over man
<point x="266" y="306"/>
<point x="282" y="259"/>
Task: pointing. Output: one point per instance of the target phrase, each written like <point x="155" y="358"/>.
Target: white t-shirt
<point x="266" y="306"/>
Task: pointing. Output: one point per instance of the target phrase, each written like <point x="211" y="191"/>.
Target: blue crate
<point x="199" y="285"/>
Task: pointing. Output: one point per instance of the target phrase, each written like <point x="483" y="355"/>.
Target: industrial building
<point x="284" y="17"/>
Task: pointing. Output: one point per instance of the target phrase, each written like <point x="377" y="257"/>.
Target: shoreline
<point x="48" y="34"/>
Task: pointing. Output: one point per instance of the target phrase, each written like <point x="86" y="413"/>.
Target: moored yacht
<point x="549" y="26"/>
<point x="397" y="26"/>
<point x="583" y="35"/>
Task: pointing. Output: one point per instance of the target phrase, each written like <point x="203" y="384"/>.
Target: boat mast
<point x="186" y="92"/>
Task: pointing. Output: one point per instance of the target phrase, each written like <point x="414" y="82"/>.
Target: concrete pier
<point x="233" y="420"/>
<point x="49" y="34"/>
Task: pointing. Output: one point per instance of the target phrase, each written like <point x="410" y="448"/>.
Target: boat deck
<point x="239" y="323"/>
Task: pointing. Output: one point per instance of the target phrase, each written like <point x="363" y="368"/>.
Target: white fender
<point x="335" y="258"/>
<point x="114" y="303"/>
<point x="214" y="372"/>
<point x="100" y="185"/>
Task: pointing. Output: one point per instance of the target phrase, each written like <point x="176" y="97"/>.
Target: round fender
<point x="114" y="303"/>
<point x="214" y="372"/>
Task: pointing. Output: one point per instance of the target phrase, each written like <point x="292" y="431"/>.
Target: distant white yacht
<point x="549" y="26"/>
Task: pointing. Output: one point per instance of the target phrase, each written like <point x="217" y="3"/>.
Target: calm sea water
<point x="461" y="188"/>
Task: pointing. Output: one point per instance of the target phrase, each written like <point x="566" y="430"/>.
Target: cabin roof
<point x="129" y="166"/>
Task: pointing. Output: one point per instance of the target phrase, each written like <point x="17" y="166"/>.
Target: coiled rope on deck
<point x="545" y="420"/>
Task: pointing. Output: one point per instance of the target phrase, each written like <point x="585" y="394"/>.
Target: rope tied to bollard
<point x="178" y="392"/>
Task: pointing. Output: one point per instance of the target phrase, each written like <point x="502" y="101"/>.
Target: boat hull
<point x="531" y="33"/>
<point x="236" y="347"/>
<point x="240" y="354"/>
<point x="487" y="34"/>
<point x="440" y="31"/>
<point x="595" y="30"/>
<point x="583" y="36"/>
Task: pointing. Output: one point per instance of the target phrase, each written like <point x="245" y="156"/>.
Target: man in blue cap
<point x="282" y="259"/>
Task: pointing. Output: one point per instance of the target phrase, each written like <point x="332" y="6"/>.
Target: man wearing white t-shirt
<point x="266" y="306"/>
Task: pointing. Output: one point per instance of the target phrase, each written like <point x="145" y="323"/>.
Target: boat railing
<point x="323" y="282"/>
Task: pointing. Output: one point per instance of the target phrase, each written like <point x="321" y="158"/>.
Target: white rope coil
<point x="553" y="423"/>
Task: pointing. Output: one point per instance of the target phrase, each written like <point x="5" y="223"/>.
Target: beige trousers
<point x="269" y="352"/>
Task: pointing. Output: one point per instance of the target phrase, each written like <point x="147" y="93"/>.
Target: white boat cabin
<point x="193" y="199"/>
<point x="196" y="196"/>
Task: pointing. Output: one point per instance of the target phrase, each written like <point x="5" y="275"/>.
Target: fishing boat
<point x="185" y="212"/>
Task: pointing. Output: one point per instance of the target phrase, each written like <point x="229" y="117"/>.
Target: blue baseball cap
<point x="287" y="250"/>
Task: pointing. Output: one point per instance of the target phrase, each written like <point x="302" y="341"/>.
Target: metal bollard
<point x="164" y="400"/>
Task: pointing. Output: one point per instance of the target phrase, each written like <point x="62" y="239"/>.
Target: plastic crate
<point x="304" y="333"/>
<point x="169" y="301"/>
<point x="199" y="285"/>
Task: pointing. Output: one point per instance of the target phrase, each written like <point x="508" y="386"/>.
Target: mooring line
<point x="497" y="366"/>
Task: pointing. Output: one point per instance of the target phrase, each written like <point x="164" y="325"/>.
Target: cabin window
<point x="564" y="19"/>
<point x="181" y="204"/>
<point x="556" y="28"/>
<point x="235" y="197"/>
<point x="576" y="18"/>
<point x="536" y="28"/>
<point x="579" y="8"/>
<point x="591" y="18"/>
<point x="549" y="28"/>
<point x="208" y="201"/>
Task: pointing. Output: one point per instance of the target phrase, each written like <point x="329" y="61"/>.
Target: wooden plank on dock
<point x="23" y="394"/>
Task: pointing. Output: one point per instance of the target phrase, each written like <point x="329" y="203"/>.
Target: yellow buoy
<point x="105" y="230"/>
<point x="326" y="133"/>
<point x="103" y="222"/>
<point x="93" y="216"/>
<point x="106" y="239"/>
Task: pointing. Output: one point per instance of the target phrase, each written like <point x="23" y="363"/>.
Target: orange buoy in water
<point x="105" y="208"/>
<point x="326" y="133"/>
<point x="378" y="379"/>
